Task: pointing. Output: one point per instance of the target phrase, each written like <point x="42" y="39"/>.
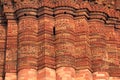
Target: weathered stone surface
<point x="100" y="75"/>
<point x="27" y="74"/>
<point x="65" y="73"/>
<point x="11" y="76"/>
<point x="83" y="74"/>
<point x="59" y="40"/>
<point x="46" y="74"/>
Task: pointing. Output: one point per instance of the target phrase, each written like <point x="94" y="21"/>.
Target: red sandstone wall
<point x="60" y="40"/>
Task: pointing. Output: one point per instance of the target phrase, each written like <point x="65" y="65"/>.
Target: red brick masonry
<point x="59" y="39"/>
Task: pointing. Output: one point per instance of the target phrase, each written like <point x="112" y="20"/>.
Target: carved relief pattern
<point x="11" y="50"/>
<point x="25" y="3"/>
<point x="27" y="43"/>
<point x="45" y="41"/>
<point x="82" y="50"/>
<point x="98" y="46"/>
<point x="65" y="42"/>
<point x="2" y="48"/>
<point x="48" y="36"/>
<point x="11" y="54"/>
<point x="2" y="33"/>
<point x="8" y="6"/>
<point x="118" y="46"/>
<point x="109" y="3"/>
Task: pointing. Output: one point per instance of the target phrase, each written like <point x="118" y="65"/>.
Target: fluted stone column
<point x="46" y="54"/>
<point x="27" y="47"/>
<point x="2" y="47"/>
<point x="100" y="75"/>
<point x="118" y="48"/>
<point x="65" y="49"/>
<point x="11" y="51"/>
<point x="98" y="46"/>
<point x="99" y="50"/>
<point x="112" y="50"/>
<point x="83" y="52"/>
<point x="11" y="41"/>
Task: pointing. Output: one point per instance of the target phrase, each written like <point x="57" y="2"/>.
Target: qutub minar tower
<point x="59" y="39"/>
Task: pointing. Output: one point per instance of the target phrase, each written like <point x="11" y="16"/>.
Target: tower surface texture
<point x="59" y="39"/>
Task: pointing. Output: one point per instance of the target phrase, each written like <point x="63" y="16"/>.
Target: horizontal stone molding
<point x="89" y="15"/>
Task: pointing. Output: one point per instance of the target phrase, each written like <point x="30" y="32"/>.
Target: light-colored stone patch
<point x="114" y="78"/>
<point x="100" y="76"/>
<point x="65" y="73"/>
<point x="27" y="74"/>
<point x="46" y="74"/>
<point x="11" y="76"/>
<point x="84" y="75"/>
